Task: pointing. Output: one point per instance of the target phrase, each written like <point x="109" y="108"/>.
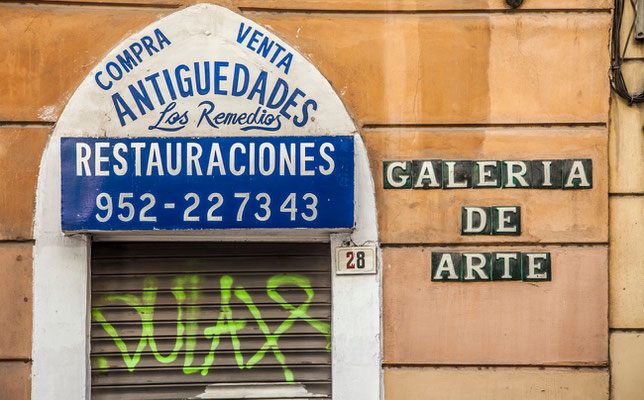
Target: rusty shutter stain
<point x="210" y="320"/>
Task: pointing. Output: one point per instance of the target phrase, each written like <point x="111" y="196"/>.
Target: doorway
<point x="172" y="320"/>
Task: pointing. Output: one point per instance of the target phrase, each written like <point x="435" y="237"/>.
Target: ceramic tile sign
<point x="491" y="220"/>
<point x="355" y="260"/>
<point x="484" y="174"/>
<point x="207" y="183"/>
<point x="500" y="265"/>
<point x="497" y="266"/>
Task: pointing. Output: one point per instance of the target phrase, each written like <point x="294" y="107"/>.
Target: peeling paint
<point x="48" y="113"/>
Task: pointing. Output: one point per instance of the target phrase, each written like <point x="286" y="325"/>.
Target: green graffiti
<point x="102" y="363"/>
<point x="295" y="312"/>
<point x="225" y="325"/>
<point x="192" y="314"/>
<point x="186" y="290"/>
<point x="271" y="339"/>
<point x="144" y="306"/>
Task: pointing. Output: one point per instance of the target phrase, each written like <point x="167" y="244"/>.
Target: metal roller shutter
<point x="210" y="320"/>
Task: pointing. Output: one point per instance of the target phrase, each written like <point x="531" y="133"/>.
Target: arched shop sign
<point x="204" y="126"/>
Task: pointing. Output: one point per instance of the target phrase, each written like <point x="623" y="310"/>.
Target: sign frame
<point x="348" y="260"/>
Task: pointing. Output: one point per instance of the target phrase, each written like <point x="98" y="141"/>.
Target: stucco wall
<point x="423" y="79"/>
<point x="627" y="230"/>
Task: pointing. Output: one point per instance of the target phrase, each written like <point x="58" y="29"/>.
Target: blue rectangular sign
<point x="207" y="183"/>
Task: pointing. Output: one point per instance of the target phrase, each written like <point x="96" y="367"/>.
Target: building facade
<point x="305" y="199"/>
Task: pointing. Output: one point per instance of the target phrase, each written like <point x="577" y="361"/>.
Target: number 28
<point x="359" y="260"/>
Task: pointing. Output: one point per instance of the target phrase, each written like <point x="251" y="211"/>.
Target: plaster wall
<point x="419" y="78"/>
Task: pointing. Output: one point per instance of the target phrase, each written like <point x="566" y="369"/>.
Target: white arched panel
<point x="155" y="84"/>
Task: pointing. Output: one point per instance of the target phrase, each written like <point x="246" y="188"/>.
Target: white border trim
<point x="60" y="351"/>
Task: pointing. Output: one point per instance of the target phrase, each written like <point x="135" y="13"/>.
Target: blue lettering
<point x="168" y="82"/>
<point x="122" y="109"/>
<point x="256" y="120"/>
<point x="277" y="52"/>
<point x="280" y="84"/>
<point x="114" y="66"/>
<point x="231" y="118"/>
<point x="219" y="77"/>
<point x="291" y="103"/>
<point x="101" y="84"/>
<point x="241" y="34"/>
<point x="173" y="119"/>
<point x="259" y="87"/>
<point x="265" y="47"/>
<point x="235" y="89"/>
<point x="305" y="113"/>
<point x="130" y="58"/>
<point x="161" y="38"/>
<point x="286" y="62"/>
<point x="126" y="61"/>
<point x="269" y="120"/>
<point x="147" y="43"/>
<point x="205" y="113"/>
<point x="202" y="90"/>
<point x="142" y="98"/>
<point x="153" y="79"/>
<point x="254" y="39"/>
<point x="219" y="119"/>
<point x="185" y="91"/>
<point x="137" y="49"/>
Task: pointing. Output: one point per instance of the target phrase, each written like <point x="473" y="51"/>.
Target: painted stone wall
<point x="627" y="230"/>
<point x="423" y="79"/>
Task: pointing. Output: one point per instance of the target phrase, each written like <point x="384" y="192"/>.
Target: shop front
<point x="206" y="226"/>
